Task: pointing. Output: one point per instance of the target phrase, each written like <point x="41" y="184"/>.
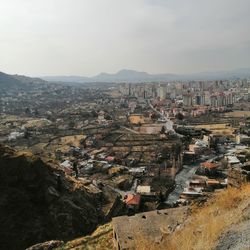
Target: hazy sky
<point x="86" y="37"/>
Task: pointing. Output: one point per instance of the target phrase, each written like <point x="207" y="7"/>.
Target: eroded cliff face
<point x="36" y="205"/>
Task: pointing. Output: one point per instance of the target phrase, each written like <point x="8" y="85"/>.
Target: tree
<point x="71" y="124"/>
<point x="94" y="113"/>
<point x="179" y="116"/>
<point x="165" y="152"/>
<point x="176" y="152"/>
<point x="27" y="111"/>
<point x="107" y="117"/>
<point x="36" y="113"/>
<point x="26" y="134"/>
<point x="155" y="116"/>
<point x="187" y="140"/>
<point x="163" y="130"/>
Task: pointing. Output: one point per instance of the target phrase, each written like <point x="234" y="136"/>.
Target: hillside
<point x="101" y="239"/>
<point x="17" y="82"/>
<point x="8" y="82"/>
<point x="36" y="207"/>
<point x="28" y="80"/>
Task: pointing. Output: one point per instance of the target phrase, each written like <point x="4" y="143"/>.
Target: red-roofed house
<point x="110" y="158"/>
<point x="133" y="201"/>
<point x="209" y="165"/>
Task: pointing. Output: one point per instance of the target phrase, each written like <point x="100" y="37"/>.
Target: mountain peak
<point x="127" y="72"/>
<point x="129" y="75"/>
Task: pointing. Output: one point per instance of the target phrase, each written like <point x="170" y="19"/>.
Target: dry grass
<point x="205" y="225"/>
<point x="237" y="113"/>
<point x="222" y="129"/>
<point x="63" y="143"/>
<point x="136" y="119"/>
<point x="101" y="239"/>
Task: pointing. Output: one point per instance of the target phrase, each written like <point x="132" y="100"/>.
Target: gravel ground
<point x="238" y="236"/>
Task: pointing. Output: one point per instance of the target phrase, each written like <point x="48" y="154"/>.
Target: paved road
<point x="169" y="124"/>
<point x="181" y="181"/>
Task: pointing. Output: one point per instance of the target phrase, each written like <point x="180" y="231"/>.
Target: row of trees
<point x="171" y="154"/>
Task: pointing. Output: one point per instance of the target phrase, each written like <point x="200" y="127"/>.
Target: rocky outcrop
<point x="39" y="203"/>
<point x="48" y="245"/>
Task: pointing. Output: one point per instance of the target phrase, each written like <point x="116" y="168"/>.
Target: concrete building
<point x="242" y="139"/>
<point x="200" y="99"/>
<point x="213" y="101"/>
<point x="222" y="99"/>
<point x="162" y="92"/>
<point x="188" y="100"/>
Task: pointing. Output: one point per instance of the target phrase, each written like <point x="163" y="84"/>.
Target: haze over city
<point x="63" y="37"/>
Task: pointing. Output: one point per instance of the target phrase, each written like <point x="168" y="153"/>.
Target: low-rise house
<point x="110" y="159"/>
<point x="190" y="193"/>
<point x="232" y="160"/>
<point x="137" y="171"/>
<point x="197" y="183"/>
<point x="143" y="189"/>
<point x="210" y="169"/>
<point x="209" y="165"/>
<point x="132" y="201"/>
<point x="241" y="138"/>
<point x="212" y="183"/>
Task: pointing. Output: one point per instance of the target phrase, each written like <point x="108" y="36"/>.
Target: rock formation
<point x="39" y="203"/>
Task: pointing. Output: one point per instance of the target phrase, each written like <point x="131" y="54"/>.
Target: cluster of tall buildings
<point x="211" y="93"/>
<point x="217" y="99"/>
<point x="148" y="91"/>
<point x="222" y="99"/>
<point x="145" y="91"/>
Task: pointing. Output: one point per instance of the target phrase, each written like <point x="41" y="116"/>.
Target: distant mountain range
<point x="23" y="82"/>
<point x="126" y="75"/>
